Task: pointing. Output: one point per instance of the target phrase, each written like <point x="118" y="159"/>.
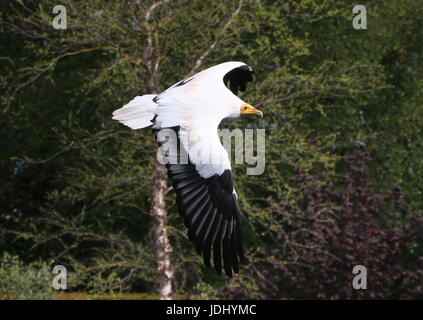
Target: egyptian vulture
<point x="185" y="118"/>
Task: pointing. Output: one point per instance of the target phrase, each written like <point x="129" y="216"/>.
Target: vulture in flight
<point x="185" y="118"/>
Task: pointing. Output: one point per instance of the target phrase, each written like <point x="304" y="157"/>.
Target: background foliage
<point x="344" y="145"/>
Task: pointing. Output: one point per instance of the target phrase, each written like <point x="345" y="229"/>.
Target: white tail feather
<point x="138" y="113"/>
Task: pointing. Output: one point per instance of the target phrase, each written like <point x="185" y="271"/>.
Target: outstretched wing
<point x="207" y="200"/>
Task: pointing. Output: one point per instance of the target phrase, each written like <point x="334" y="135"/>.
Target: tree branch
<point x="150" y="10"/>
<point x="218" y="39"/>
<point x="150" y="62"/>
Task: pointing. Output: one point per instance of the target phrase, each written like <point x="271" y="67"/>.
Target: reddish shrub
<point x="333" y="227"/>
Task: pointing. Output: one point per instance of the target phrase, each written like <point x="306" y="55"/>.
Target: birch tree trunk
<point x="162" y="246"/>
<point x="161" y="241"/>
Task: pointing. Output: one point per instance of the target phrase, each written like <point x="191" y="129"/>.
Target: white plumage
<point x="194" y="108"/>
<point x="138" y="113"/>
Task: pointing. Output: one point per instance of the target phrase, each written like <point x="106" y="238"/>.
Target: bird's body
<point x="185" y="118"/>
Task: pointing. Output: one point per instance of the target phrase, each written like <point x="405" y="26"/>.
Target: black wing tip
<point x="238" y="78"/>
<point x="246" y="67"/>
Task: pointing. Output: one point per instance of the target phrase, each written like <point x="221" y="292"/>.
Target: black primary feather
<point x="238" y="78"/>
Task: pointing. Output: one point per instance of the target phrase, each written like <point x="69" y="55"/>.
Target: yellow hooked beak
<point x="249" y="109"/>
